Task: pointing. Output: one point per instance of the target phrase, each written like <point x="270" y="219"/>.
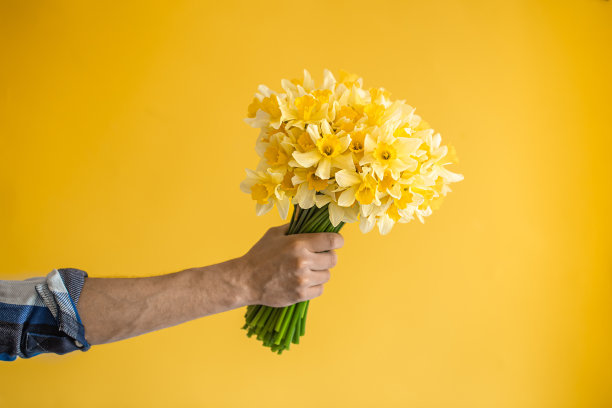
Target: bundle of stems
<point x="278" y="327"/>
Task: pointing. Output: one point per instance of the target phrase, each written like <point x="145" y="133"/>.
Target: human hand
<point x="280" y="270"/>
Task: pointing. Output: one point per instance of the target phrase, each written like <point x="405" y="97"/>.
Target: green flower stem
<point x="292" y="218"/>
<point x="304" y="215"/>
<point x="294" y="319"/>
<point x="293" y="226"/>
<point x="318" y="217"/>
<point x="279" y="321"/>
<point x="318" y="227"/>
<point x="262" y="321"/>
<point x="270" y="321"/>
<point x="303" y="322"/>
<point x="281" y="334"/>
<point x="251" y="313"/>
<point x="258" y="316"/>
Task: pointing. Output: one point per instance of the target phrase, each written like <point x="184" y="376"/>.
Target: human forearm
<point x="277" y="271"/>
<point x="116" y="309"/>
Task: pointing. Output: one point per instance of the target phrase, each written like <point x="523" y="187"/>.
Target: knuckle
<point x="300" y="263"/>
<point x="333" y="258"/>
<point x="327" y="276"/>
<point x="335" y="240"/>
<point x="301" y="294"/>
<point x="339" y="240"/>
<point x="296" y="245"/>
<point x="331" y="240"/>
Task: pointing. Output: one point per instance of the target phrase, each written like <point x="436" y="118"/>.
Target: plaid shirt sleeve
<point x="39" y="315"/>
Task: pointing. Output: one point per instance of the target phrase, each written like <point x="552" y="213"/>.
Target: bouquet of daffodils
<point x="338" y="153"/>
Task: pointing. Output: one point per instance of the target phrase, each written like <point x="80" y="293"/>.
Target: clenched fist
<point x="281" y="270"/>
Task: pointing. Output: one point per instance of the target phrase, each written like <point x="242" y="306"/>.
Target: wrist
<point x="221" y="287"/>
<point x="242" y="272"/>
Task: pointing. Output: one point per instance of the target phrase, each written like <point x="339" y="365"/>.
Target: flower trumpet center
<point x="276" y="156"/>
<point x="329" y="146"/>
<point x="375" y="114"/>
<point x="306" y="106"/>
<point x="367" y="191"/>
<point x="305" y="142"/>
<point x="393" y="212"/>
<point x="357" y="140"/>
<point x="268" y="105"/>
<point x="386" y="183"/>
<point x="314" y="182"/>
<point x="261" y="192"/>
<point x="385" y="153"/>
<point x="287" y="184"/>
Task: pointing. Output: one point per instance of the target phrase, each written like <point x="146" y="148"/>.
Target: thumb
<point x="281" y="229"/>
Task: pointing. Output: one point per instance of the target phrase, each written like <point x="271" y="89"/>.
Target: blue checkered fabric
<point x="39" y="315"/>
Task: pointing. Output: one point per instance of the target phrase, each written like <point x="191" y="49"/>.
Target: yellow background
<point x="122" y="147"/>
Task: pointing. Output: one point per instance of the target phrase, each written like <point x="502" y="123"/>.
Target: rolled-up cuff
<point x="60" y="293"/>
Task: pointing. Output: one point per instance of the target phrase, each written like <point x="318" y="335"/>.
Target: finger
<point x="314" y="291"/>
<point x="316" y="278"/>
<point x="323" y="260"/>
<point x="322" y="241"/>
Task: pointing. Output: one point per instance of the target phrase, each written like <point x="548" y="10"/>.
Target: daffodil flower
<point x="330" y="150"/>
<point x="265" y="109"/>
<point x="276" y="151"/>
<point x="304" y="104"/>
<point x="308" y="185"/>
<point x="361" y="187"/>
<point x="383" y="152"/>
<point x="337" y="213"/>
<point x="265" y="188"/>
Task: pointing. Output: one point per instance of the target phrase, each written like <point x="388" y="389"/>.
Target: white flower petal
<point x="323" y="168"/>
<point x="336" y="214"/>
<point x="260" y="120"/>
<point x="369" y="143"/>
<point x="264" y="90"/>
<point x="385" y="223"/>
<point x="288" y="86"/>
<point x="345" y="141"/>
<point x="449" y="175"/>
<point x="344" y="161"/>
<point x="313" y="131"/>
<point x="423" y="134"/>
<point x="395" y="191"/>
<point x="261" y="209"/>
<point x="351" y="214"/>
<point x="322" y="199"/>
<point x="308" y="81"/>
<point x="347" y="178"/>
<point x="379" y="170"/>
<point x="326" y="128"/>
<point x="406" y="146"/>
<point x="328" y="80"/>
<point x="283" y="207"/>
<point x="245" y="185"/>
<point x="435" y="141"/>
<point x="307" y="159"/>
<point x="304" y="196"/>
<point x="366" y="224"/>
<point x="347" y="197"/>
